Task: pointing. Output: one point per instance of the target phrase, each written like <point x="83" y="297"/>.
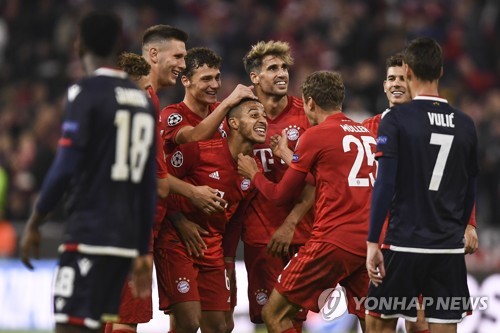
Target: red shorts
<point x="134" y="310"/>
<point x="180" y="279"/>
<point x="320" y="266"/>
<point x="263" y="270"/>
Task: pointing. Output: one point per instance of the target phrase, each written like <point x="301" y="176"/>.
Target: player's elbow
<point x="162" y="188"/>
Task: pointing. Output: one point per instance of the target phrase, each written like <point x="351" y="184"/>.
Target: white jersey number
<point x="134" y="142"/>
<point x="364" y="149"/>
<point x="444" y="142"/>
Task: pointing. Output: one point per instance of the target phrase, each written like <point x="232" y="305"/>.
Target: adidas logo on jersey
<point x="214" y="175"/>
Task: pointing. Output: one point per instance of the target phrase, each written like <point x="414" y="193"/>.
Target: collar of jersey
<point x="431" y="98"/>
<point x="106" y="71"/>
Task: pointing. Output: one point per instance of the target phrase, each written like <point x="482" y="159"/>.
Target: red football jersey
<point x="161" y="166"/>
<point x="176" y="116"/>
<point x="339" y="153"/>
<point x="205" y="163"/>
<point x="262" y="217"/>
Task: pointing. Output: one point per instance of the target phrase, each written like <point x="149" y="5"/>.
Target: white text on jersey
<point x="132" y="97"/>
<point x="439" y="119"/>
<point x="354" y="128"/>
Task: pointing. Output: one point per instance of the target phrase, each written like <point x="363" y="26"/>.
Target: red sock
<point x="290" y="330"/>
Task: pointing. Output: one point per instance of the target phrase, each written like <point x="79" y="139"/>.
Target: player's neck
<point x="273" y="105"/>
<point x="237" y="145"/>
<point x="323" y="114"/>
<point x="419" y="88"/>
<point x="91" y="63"/>
<point x="200" y="109"/>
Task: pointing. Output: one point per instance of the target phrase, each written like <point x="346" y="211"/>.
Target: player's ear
<point x="311" y="104"/>
<point x="408" y="72"/>
<point x="441" y="73"/>
<point x="254" y="77"/>
<point x="233" y="123"/>
<point x="153" y="54"/>
<point x="185" y="81"/>
<point x="383" y="85"/>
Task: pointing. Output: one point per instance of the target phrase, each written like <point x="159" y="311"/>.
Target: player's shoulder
<point x="296" y="102"/>
<point x="211" y="145"/>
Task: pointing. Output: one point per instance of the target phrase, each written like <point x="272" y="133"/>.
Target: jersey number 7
<point x="444" y="142"/>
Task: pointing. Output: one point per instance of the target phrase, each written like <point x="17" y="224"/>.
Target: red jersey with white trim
<point x="339" y="154"/>
<point x="205" y="163"/>
<point x="262" y="217"/>
<point x="176" y="116"/>
<point x="372" y="124"/>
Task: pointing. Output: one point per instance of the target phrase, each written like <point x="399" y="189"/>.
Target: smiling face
<point x="249" y="120"/>
<point x="395" y="86"/>
<point x="273" y="76"/>
<point x="203" y="84"/>
<point x="170" y="59"/>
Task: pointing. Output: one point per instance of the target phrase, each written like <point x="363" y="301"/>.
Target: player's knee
<point x="229" y="326"/>
<point x="188" y="325"/>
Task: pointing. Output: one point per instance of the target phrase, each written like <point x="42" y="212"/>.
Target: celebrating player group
<point x="385" y="209"/>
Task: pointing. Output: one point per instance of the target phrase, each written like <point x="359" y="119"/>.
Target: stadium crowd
<point x="38" y="63"/>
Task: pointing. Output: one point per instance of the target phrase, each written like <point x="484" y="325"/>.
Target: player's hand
<point x="279" y="144"/>
<point x="190" y="233"/>
<point x="206" y="199"/>
<point x="470" y="239"/>
<point x="31" y="239"/>
<point x="375" y="263"/>
<point x="281" y="239"/>
<point x="239" y="93"/>
<point x="142" y="276"/>
<point x="247" y="167"/>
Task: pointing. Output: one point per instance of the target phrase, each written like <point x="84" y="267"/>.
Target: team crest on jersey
<point x="261" y="296"/>
<point x="245" y="184"/>
<point x="292" y="132"/>
<point x="177" y="159"/>
<point x="174" y="119"/>
<point x="183" y="285"/>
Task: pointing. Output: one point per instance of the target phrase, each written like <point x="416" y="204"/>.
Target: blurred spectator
<point x="38" y="63"/>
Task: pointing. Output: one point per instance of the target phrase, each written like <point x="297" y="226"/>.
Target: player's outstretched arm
<point x="208" y="126"/>
<point x="282" y="237"/>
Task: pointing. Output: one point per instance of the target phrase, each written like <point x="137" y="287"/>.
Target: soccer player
<point x="426" y="178"/>
<point x="396" y="90"/>
<point x="272" y="234"/>
<point x="105" y="161"/>
<point x="337" y="151"/>
<point x="195" y="288"/>
<point x="199" y="116"/>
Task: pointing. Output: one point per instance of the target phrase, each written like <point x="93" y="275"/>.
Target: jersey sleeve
<point x="388" y="136"/>
<point x="184" y="159"/>
<point x="161" y="165"/>
<point x="76" y="129"/>
<point x="171" y="121"/>
<point x="304" y="155"/>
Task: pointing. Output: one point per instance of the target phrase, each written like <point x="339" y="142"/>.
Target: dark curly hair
<point x="134" y="65"/>
<point x="199" y="56"/>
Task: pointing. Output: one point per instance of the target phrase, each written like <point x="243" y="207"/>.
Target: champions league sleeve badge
<point x="174" y="119"/>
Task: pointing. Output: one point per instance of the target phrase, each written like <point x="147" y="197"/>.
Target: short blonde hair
<point x="253" y="59"/>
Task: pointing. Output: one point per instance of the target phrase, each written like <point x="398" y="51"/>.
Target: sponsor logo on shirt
<point x="177" y="159"/>
<point x="174" y="119"/>
<point x="214" y="175"/>
<point x="295" y="158"/>
<point x="382" y="140"/>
